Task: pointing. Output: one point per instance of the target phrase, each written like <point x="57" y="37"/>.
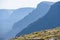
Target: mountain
<point x="50" y="20"/>
<point x="4" y="15"/>
<point x="20" y="13"/>
<point x="39" y="12"/>
<point x="9" y="17"/>
<point x="16" y="15"/>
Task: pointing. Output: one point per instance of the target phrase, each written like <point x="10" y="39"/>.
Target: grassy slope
<point x="45" y="34"/>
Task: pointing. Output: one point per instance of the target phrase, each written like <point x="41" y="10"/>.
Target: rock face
<point x="50" y="20"/>
<point x="50" y="34"/>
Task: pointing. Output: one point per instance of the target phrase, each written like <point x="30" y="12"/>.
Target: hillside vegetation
<point x="50" y="34"/>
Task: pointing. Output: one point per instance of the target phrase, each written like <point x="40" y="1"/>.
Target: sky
<point x="15" y="4"/>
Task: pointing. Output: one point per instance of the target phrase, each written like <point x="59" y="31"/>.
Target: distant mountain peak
<point x="44" y="3"/>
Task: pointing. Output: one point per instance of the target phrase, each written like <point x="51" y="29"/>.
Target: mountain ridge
<point x="50" y="20"/>
<point x="31" y="17"/>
